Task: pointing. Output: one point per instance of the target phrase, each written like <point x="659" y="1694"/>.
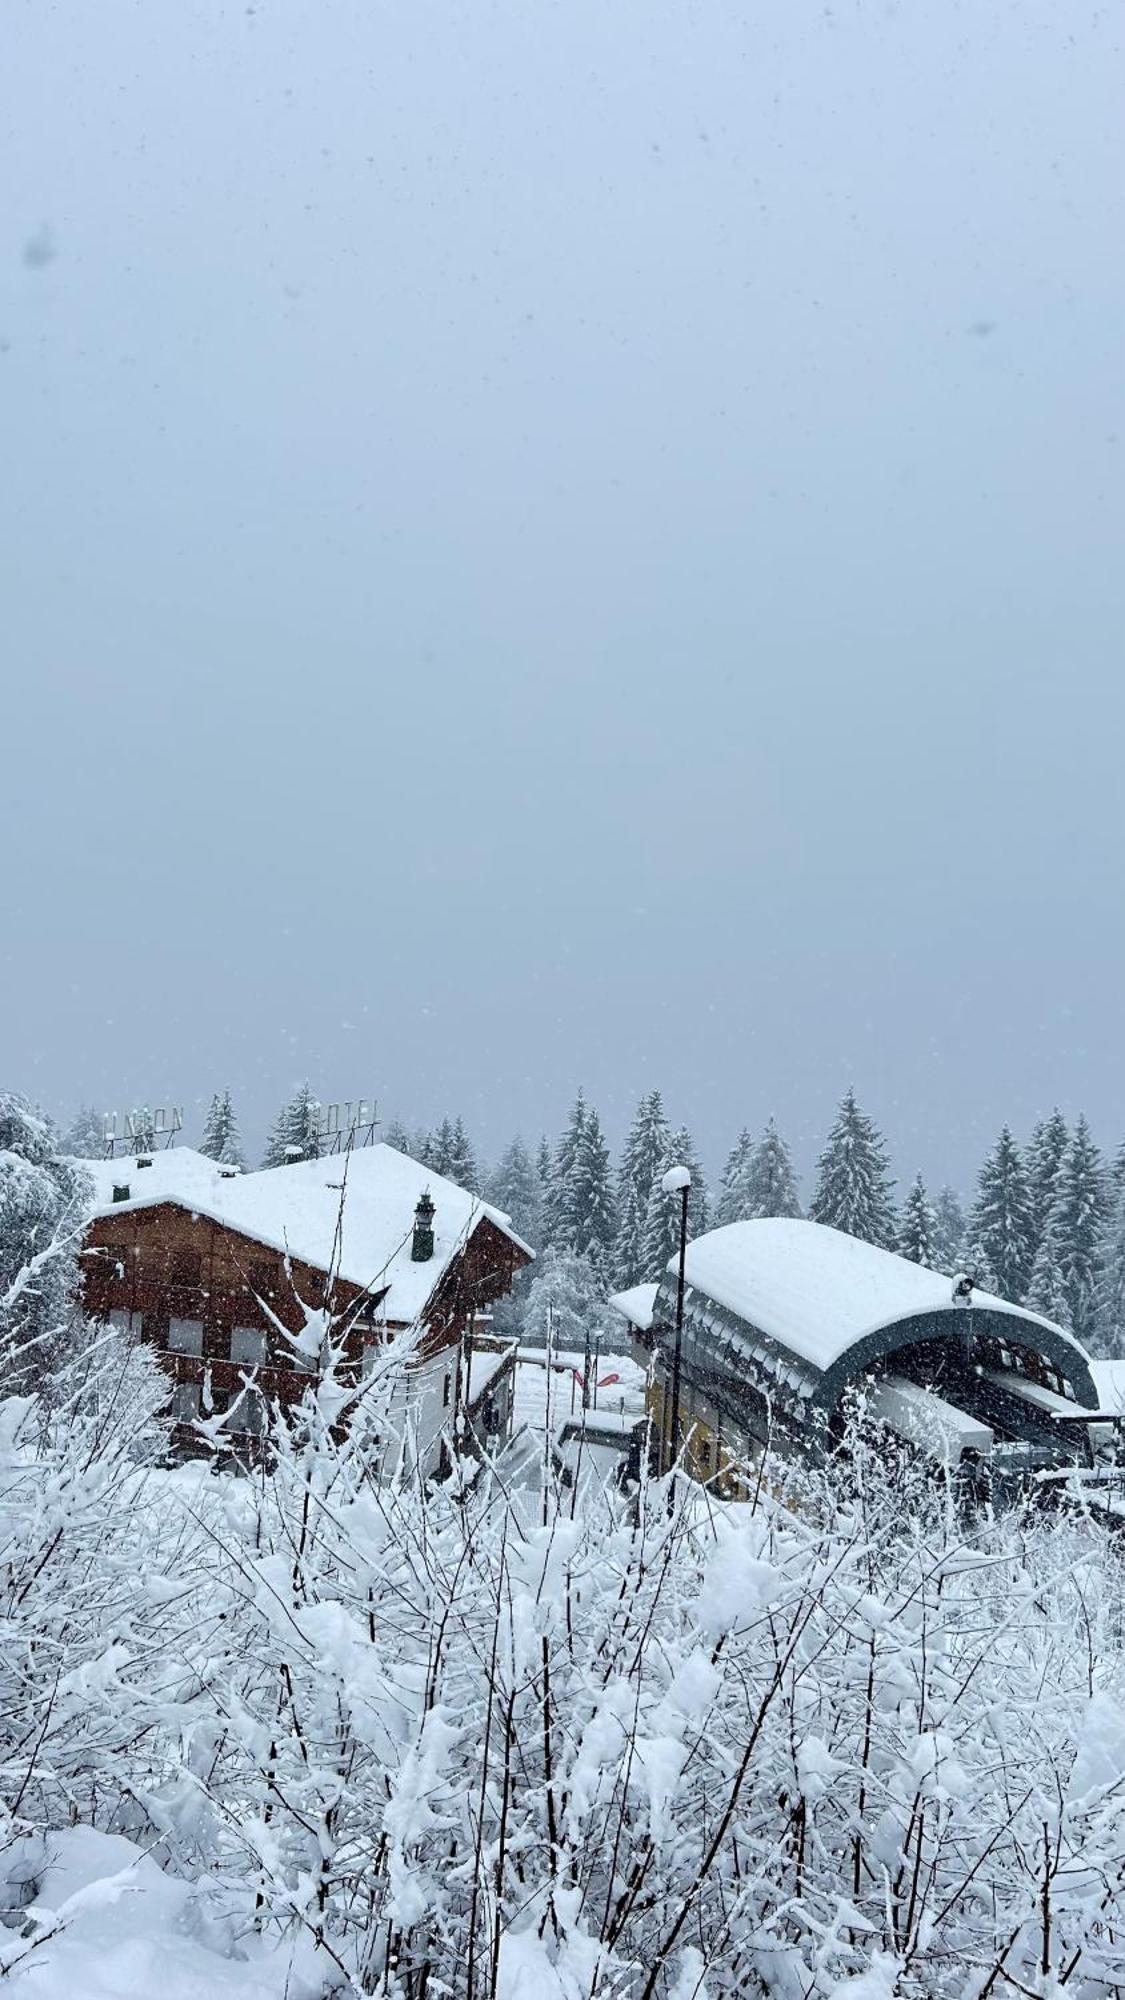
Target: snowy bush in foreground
<point x="563" y="1744"/>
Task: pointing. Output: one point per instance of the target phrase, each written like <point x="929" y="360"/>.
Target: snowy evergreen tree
<point x="661" y="1236"/>
<point x="590" y="1214"/>
<point x="295" y="1134"/>
<point x="1047" y="1291"/>
<point x="1072" y="1244"/>
<point x="220" y="1139"/>
<point x="734" y="1204"/>
<point x="44" y="1201"/>
<point x="1001" y="1226"/>
<point x="461" y="1166"/>
<point x="1109" y="1331"/>
<point x="84" y="1138"/>
<point x="917" y="1226"/>
<point x="854" y="1185"/>
<point x="438" y="1148"/>
<point x="1044" y="1157"/>
<point x="646" y="1147"/>
<point x="397" y="1135"/>
<point x="560" y="1191"/>
<point x="567" y="1293"/>
<point x="949" y="1233"/>
<point x="513" y="1186"/>
<point x="771" y="1187"/>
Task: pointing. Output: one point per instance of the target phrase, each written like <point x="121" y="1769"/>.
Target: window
<point x="247" y="1346"/>
<point x="185" y="1336"/>
<point x="111" y="1260"/>
<point x="185" y="1402"/>
<point x="250" y="1416"/>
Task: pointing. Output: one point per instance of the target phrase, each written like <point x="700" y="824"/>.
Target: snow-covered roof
<point x="636" y="1305"/>
<point x="297" y="1209"/>
<point x="818" y="1292"/>
<point x="1109" y="1381"/>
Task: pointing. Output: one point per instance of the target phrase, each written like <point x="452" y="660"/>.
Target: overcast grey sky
<point x="561" y="542"/>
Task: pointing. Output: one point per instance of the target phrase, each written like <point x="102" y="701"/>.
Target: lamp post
<point x="678" y="1181"/>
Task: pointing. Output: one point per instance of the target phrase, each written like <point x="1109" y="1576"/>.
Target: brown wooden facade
<point x="206" y="1297"/>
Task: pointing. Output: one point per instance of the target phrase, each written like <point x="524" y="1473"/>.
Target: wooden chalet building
<point x="214" y="1267"/>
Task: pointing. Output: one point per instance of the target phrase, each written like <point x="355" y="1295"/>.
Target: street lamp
<point x="678" y="1181"/>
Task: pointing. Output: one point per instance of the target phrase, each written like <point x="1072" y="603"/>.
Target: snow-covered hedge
<point x="563" y="1744"/>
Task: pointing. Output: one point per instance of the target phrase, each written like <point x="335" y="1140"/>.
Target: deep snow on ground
<point x="124" y="1930"/>
<point x="556" y="1393"/>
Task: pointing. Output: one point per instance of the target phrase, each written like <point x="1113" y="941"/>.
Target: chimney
<point x="422" y="1248"/>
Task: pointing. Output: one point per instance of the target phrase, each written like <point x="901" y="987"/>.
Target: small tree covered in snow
<point x="949" y="1232"/>
<point x="513" y="1187"/>
<point x="1001" y="1226"/>
<point x="916" y="1227"/>
<point x="220" y="1139"/>
<point x="771" y="1185"/>
<point x="44" y="1201"/>
<point x="734" y="1202"/>
<point x="567" y="1294"/>
<point x="84" y="1138"/>
<point x="645" y="1153"/>
<point x="853" y="1184"/>
<point x="295" y="1134"/>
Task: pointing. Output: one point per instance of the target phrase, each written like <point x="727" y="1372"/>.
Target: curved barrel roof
<point x="833" y="1304"/>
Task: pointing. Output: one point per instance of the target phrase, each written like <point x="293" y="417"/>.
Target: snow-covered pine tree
<point x="733" y="1204"/>
<point x="461" y="1161"/>
<point x="439" y="1148"/>
<point x="84" y="1138"/>
<point x="591" y="1218"/>
<point x="397" y="1135"/>
<point x="1117" y="1170"/>
<point x="645" y="1148"/>
<point x="1109" y="1333"/>
<point x="661" y="1237"/>
<point x="771" y="1185"/>
<point x="1042" y="1160"/>
<point x="220" y="1139"/>
<point x="917" y="1225"/>
<point x="560" y="1192"/>
<point x="1075" y="1228"/>
<point x="1046" y="1291"/>
<point x="513" y="1186"/>
<point x="295" y="1133"/>
<point x="949" y="1232"/>
<point x="1001" y="1227"/>
<point x="567" y="1293"/>
<point x="853" y="1184"/>
<point x="44" y="1201"/>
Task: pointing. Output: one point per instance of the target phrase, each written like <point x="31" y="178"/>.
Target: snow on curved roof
<point x="296" y="1209"/>
<point x="636" y="1305"/>
<point x="817" y="1291"/>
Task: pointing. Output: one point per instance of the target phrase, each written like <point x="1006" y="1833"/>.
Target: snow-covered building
<point x="783" y="1317"/>
<point x="216" y="1267"/>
